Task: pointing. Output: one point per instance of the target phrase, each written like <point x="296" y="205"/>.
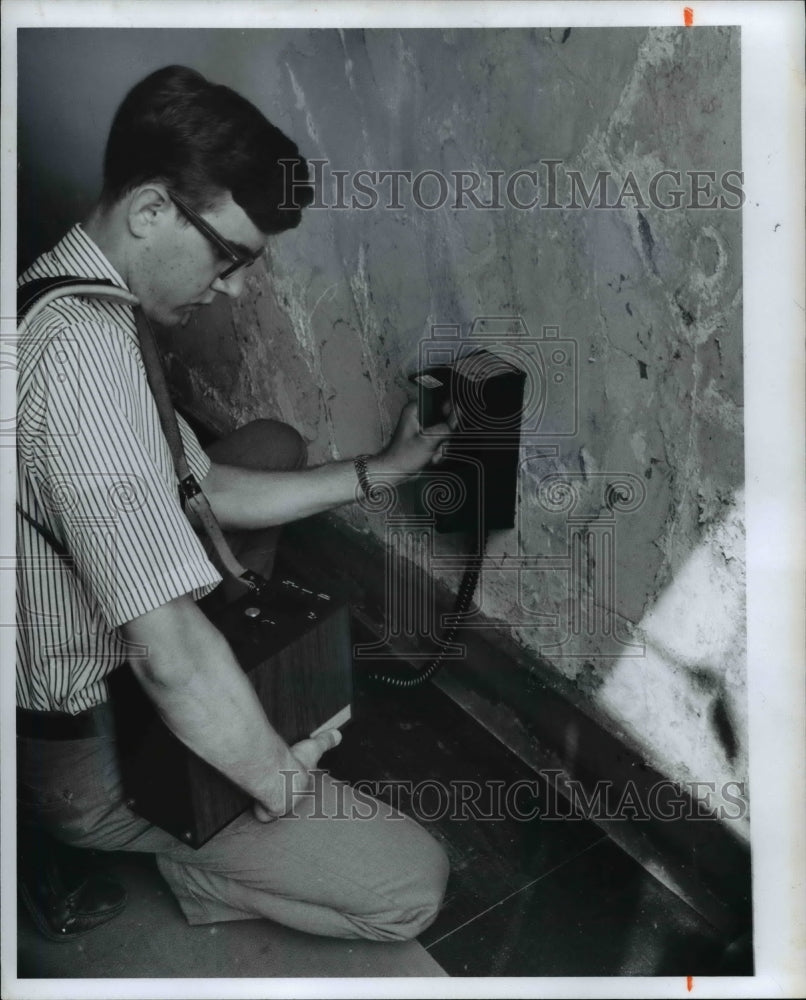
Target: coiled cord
<point x="464" y="596"/>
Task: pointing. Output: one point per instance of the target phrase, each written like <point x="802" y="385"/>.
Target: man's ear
<point x="149" y="207"/>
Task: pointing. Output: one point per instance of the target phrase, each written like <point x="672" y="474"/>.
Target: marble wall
<point x="636" y="598"/>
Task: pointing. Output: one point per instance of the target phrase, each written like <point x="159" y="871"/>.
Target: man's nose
<point x="232" y="286"/>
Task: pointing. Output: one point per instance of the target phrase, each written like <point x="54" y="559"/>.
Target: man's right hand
<point x="413" y="447"/>
<point x="307" y="753"/>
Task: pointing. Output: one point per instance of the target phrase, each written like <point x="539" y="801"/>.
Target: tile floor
<point x="526" y="897"/>
<point x="537" y="897"/>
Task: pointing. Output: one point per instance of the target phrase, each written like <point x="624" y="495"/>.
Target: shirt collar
<point x="84" y="258"/>
<point x="79" y="256"/>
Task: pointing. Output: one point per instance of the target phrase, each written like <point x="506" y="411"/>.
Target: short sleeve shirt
<point x="94" y="468"/>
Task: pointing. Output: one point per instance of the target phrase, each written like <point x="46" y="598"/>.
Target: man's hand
<point x="306" y="753"/>
<point x="412" y="447"/>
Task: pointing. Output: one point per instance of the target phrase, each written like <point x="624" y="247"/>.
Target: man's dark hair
<point x="202" y="139"/>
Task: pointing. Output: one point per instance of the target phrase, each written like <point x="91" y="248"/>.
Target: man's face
<point x="179" y="269"/>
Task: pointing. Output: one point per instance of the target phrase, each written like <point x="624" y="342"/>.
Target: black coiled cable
<point x="464" y="596"/>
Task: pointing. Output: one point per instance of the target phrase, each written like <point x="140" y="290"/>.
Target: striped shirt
<point x="93" y="467"/>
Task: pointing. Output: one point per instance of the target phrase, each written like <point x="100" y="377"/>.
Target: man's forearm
<point x="243" y="498"/>
<point x="249" y="498"/>
<point x="206" y="700"/>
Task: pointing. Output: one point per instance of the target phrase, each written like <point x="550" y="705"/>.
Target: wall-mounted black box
<point x="479" y="473"/>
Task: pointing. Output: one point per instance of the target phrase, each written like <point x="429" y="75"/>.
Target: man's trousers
<point x="340" y="864"/>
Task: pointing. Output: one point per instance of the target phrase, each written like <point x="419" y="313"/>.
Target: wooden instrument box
<point x="295" y="648"/>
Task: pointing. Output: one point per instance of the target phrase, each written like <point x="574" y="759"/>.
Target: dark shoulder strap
<point x="30" y="293"/>
<point x="48" y="535"/>
<point x="27" y="296"/>
<point x="189" y="489"/>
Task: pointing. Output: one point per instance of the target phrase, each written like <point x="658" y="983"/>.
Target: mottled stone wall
<point x="651" y="297"/>
<point x="643" y="609"/>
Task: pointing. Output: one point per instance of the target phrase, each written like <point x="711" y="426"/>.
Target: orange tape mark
<point x="689" y="979"/>
<point x="688" y="16"/>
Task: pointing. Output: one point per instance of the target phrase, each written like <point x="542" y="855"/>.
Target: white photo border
<point x="772" y="39"/>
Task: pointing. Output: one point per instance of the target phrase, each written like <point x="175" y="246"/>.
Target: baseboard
<point x="532" y="710"/>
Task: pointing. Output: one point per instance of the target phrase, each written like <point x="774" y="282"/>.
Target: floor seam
<point x="516" y="892"/>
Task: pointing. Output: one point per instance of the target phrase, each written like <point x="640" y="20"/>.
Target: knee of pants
<point x="262" y="444"/>
<point x="283" y="444"/>
<point x="424" y="895"/>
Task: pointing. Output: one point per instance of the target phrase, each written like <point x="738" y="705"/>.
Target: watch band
<point x="362" y="474"/>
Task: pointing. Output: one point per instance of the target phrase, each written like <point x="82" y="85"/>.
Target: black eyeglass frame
<point x="238" y="259"/>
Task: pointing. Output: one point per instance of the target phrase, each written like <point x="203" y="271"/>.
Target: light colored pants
<point x="341" y="864"/>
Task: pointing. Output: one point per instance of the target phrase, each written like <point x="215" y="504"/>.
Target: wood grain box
<point x="295" y="648"/>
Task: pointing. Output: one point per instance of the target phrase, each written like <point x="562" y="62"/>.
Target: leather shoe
<point x="66" y="900"/>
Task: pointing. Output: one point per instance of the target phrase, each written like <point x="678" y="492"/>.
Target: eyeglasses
<point x="239" y="257"/>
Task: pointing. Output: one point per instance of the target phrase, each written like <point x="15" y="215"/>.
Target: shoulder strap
<point x="32" y="291"/>
<point x="48" y="535"/>
<point x="189" y="487"/>
<point x="36" y="295"/>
